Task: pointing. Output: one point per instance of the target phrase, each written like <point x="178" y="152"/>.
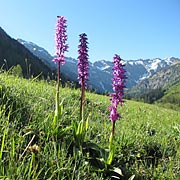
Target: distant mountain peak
<point x="38" y="51"/>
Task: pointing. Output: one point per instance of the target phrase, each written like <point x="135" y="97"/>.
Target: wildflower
<point x="113" y="113"/>
<point x="61" y="48"/>
<point x="119" y="80"/>
<point x="83" y="69"/>
<point x="80" y="129"/>
<point x="61" y="38"/>
<point x="83" y="60"/>
<point x="118" y="84"/>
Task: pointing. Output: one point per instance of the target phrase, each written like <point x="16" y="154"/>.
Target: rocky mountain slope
<point x="162" y="79"/>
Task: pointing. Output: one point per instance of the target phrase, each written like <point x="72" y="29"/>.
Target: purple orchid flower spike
<point x="61" y="38"/>
<point x="118" y="84"/>
<point x="83" y="67"/>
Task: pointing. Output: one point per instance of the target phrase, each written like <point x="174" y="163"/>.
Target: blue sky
<point x="131" y="28"/>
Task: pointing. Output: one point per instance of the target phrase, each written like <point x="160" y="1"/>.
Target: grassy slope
<point x="147" y="136"/>
<point x="171" y="99"/>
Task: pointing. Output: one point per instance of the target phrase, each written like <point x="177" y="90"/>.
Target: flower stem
<point x="112" y="136"/>
<point x="113" y="128"/>
<point x="56" y="116"/>
<point x="57" y="91"/>
<point x="82" y="100"/>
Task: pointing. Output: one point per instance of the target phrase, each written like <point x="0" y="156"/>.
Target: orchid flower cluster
<point x="61" y="38"/>
<point x="83" y="65"/>
<point x="83" y="68"/>
<point x="118" y="84"/>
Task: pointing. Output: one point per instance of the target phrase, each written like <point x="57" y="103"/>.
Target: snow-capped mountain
<point x="137" y="70"/>
<point x="100" y="72"/>
<point x="38" y="51"/>
<point x="157" y="83"/>
<point x="140" y="69"/>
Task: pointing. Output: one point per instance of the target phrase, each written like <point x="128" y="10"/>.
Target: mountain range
<point x="163" y="79"/>
<point x="100" y="72"/>
<point x="142" y="73"/>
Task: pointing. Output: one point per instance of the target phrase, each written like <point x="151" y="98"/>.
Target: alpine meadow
<point x="55" y="131"/>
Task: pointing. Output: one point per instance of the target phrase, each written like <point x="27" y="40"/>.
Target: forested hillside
<point x="163" y="87"/>
<point x="12" y="53"/>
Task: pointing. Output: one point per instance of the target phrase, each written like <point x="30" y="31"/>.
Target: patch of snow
<point x="169" y="60"/>
<point x="100" y="68"/>
<point x="106" y="67"/>
<point x="103" y="62"/>
<point x="131" y="63"/>
<point x="139" y="62"/>
<point x="108" y="72"/>
<point x="154" y="65"/>
<point x="143" y="77"/>
<point x="103" y="68"/>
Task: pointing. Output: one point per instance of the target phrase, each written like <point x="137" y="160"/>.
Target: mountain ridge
<point x="13" y="53"/>
<point x="101" y="70"/>
<point x="160" y="80"/>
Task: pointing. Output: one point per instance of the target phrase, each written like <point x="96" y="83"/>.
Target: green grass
<point x="147" y="137"/>
<point x="171" y="99"/>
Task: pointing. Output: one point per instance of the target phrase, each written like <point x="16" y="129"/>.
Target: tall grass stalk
<point x="3" y="144"/>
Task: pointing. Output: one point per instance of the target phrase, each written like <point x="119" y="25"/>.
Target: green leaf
<point x="31" y="165"/>
<point x="115" y="177"/>
<point x="87" y="122"/>
<point x="60" y="132"/>
<point x="2" y="144"/>
<point x="12" y="153"/>
<point x="58" y="112"/>
<point x="79" y="129"/>
<point x="94" y="146"/>
<point x="61" y="108"/>
<point x="97" y="163"/>
<point x="75" y="125"/>
<point x="132" y="177"/>
<point x="118" y="171"/>
<point x="55" y="121"/>
<point x="111" y="155"/>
